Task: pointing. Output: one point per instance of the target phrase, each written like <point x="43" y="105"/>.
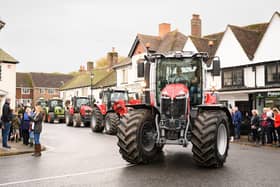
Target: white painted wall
<point x="189" y="46"/>
<point x="268" y="49"/>
<point x="260" y="71"/>
<point x="230" y="51"/>
<point x="249" y="77"/>
<point x="8" y="82"/>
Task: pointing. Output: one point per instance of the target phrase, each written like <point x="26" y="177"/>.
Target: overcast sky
<point x="61" y="35"/>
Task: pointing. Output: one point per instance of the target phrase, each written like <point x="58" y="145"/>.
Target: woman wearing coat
<point x="37" y="118"/>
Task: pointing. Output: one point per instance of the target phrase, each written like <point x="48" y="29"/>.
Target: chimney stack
<point x="112" y="58"/>
<point x="82" y="68"/>
<point x="196" y="25"/>
<point x="89" y="66"/>
<point x="164" y="28"/>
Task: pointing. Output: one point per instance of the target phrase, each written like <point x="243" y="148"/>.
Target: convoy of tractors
<point x="175" y="109"/>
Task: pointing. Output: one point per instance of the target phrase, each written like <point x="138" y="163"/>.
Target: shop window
<point x="232" y="78"/>
<point x="272" y="73"/>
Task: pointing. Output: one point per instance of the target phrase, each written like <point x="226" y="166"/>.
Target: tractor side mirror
<point x="100" y="95"/>
<point x="216" y="67"/>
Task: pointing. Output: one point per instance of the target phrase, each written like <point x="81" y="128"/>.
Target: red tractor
<point x="79" y="114"/>
<point x="106" y="116"/>
<point x="175" y="112"/>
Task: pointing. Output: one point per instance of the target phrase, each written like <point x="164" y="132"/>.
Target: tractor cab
<point x="110" y="96"/>
<point x="55" y="110"/>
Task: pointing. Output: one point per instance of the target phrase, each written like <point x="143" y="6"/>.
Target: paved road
<point x="78" y="157"/>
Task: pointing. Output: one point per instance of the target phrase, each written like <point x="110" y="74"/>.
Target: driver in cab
<point x="179" y="77"/>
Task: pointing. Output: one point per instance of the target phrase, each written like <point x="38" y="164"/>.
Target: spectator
<point x="270" y="127"/>
<point x="277" y="123"/>
<point x="264" y="125"/>
<point x="6" y="123"/>
<point x="26" y="125"/>
<point x="255" y="126"/>
<point x="237" y="118"/>
<point x="37" y="118"/>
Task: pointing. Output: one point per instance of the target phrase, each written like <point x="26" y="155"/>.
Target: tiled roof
<point x="108" y="81"/>
<point x="124" y="62"/>
<point x="49" y="80"/>
<point x="154" y="41"/>
<point x="83" y="79"/>
<point x="172" y="41"/>
<point x="5" y="57"/>
<point x="248" y="39"/>
<point x="23" y="80"/>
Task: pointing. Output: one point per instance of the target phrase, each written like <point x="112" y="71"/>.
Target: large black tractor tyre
<point x="68" y="119"/>
<point x="112" y="121"/>
<point x="136" y="137"/>
<point x="77" y="120"/>
<point x="51" y="117"/>
<point x="96" y="120"/>
<point x="210" y="138"/>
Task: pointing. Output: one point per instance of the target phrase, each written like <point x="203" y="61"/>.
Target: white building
<point x="7" y="78"/>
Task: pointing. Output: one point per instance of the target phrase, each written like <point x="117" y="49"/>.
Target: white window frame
<point x="51" y="91"/>
<point x="42" y="90"/>
<point x="25" y="91"/>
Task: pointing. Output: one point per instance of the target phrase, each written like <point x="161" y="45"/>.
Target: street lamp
<point x="91" y="79"/>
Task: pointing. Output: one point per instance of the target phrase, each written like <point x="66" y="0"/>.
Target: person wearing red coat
<point x="277" y="123"/>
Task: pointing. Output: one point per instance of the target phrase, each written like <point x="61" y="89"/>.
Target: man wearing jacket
<point x="6" y="123"/>
<point x="237" y="118"/>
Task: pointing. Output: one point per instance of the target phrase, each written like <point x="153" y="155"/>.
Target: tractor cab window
<point x="115" y="96"/>
<point x="56" y="103"/>
<point x="185" y="71"/>
<point x="82" y="101"/>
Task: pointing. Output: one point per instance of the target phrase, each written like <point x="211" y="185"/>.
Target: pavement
<point x="244" y="141"/>
<point x="16" y="148"/>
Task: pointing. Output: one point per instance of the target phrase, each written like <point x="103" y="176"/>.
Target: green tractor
<point x="44" y="104"/>
<point x="55" y="111"/>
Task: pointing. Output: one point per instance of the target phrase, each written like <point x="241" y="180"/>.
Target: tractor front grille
<point x="175" y="108"/>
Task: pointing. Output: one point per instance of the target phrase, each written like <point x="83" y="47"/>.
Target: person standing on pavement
<point x="6" y="122"/>
<point x="264" y="125"/>
<point x="277" y="123"/>
<point x="270" y="127"/>
<point x="37" y="118"/>
<point x="26" y="125"/>
<point x="255" y="124"/>
<point x="237" y="118"/>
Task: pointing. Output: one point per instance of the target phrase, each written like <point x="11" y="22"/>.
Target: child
<point x="16" y="126"/>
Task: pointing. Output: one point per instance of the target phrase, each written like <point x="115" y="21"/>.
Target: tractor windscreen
<point x="115" y="96"/>
<point x="82" y="101"/>
<point x="56" y="103"/>
<point x="183" y="70"/>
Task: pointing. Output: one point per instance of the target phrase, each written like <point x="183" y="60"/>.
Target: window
<point x="42" y="90"/>
<point x="233" y="78"/>
<point x="124" y="76"/>
<point x="272" y="73"/>
<point x="25" y="90"/>
<point x="51" y="91"/>
<point x="140" y="68"/>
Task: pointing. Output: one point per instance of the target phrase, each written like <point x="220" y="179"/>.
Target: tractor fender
<point x="119" y="107"/>
<point x="153" y="109"/>
<point x="71" y="111"/>
<point x="102" y="108"/>
<point x="218" y="107"/>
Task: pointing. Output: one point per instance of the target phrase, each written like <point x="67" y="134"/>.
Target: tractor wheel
<point x="50" y="117"/>
<point x="112" y="121"/>
<point x="137" y="137"/>
<point x="77" y="120"/>
<point x="210" y="139"/>
<point x="96" y="120"/>
<point x="68" y="120"/>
